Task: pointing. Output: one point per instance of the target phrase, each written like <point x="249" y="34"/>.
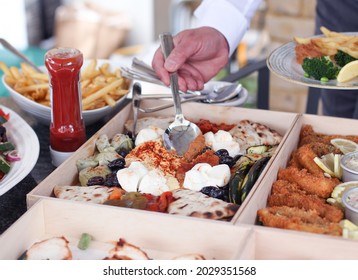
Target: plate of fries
<point x="103" y="88"/>
<point x="283" y="61"/>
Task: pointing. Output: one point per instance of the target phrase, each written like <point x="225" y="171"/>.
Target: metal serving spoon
<point x="181" y="133"/>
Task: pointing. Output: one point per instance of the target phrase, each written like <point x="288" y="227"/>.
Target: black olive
<point x="111" y="180"/>
<point x="227" y="160"/>
<point x="117" y="164"/>
<point x="214" y="192"/>
<point x="222" y="153"/>
<point x="95" y="180"/>
<point x="123" y="152"/>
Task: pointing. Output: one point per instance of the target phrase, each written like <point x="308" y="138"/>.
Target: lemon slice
<point x="326" y="163"/>
<point x="348" y="72"/>
<point x="337" y="193"/>
<point x="346" y="146"/>
<point x="338" y="170"/>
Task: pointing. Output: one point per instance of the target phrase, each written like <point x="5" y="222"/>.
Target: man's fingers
<point x="179" y="55"/>
<point x="158" y="67"/>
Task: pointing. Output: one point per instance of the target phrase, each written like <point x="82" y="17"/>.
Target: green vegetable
<point x="257" y="149"/>
<point x="4" y="165"/>
<point x="342" y="58"/>
<point x="122" y="141"/>
<point x="84" y="241"/>
<point x="6" y="146"/>
<point x="318" y="67"/>
<point x="134" y="200"/>
<point x="237" y="180"/>
<point x="252" y="176"/>
<point x="89" y="172"/>
<point x="324" y="79"/>
<point x="243" y="160"/>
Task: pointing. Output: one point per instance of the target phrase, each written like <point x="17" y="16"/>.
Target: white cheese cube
<point x="154" y="182"/>
<point x="219" y="175"/>
<point x="130" y="177"/>
<point x="195" y="180"/>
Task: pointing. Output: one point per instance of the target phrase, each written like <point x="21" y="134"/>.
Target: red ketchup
<point x="67" y="128"/>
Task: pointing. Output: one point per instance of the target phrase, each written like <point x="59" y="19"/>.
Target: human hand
<point x="198" y="55"/>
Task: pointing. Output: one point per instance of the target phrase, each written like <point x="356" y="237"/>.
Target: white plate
<point x="282" y="62"/>
<point x="27" y="144"/>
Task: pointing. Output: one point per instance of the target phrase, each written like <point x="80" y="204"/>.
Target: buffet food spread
<point x="261" y="178"/>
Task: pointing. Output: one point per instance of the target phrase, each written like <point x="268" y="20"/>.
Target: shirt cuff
<point x="225" y="18"/>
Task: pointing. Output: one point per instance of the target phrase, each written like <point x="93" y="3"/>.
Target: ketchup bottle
<point x="67" y="128"/>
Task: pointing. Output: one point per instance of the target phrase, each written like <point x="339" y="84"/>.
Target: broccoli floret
<point x="320" y="67"/>
<point x="343" y="58"/>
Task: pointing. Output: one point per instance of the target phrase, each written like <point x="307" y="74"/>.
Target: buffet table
<point x="13" y="202"/>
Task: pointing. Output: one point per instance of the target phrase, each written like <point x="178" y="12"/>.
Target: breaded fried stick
<point x="312" y="184"/>
<point x="307" y="202"/>
<point x="286" y="187"/>
<point x="297" y="219"/>
<point x="308" y="135"/>
<point x="294" y="160"/>
<point x="305" y="156"/>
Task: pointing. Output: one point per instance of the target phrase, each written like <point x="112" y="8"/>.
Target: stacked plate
<point x="214" y="92"/>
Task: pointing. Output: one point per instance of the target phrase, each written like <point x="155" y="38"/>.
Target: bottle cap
<point x="59" y="157"/>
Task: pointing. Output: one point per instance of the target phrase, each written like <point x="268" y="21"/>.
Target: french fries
<point x="331" y="42"/>
<point x="99" y="85"/>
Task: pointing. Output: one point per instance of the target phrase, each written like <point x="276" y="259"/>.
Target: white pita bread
<point x="196" y="204"/>
<point x="248" y="133"/>
<point x="95" y="194"/>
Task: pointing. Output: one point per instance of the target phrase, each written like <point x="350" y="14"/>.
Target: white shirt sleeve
<point x="230" y="17"/>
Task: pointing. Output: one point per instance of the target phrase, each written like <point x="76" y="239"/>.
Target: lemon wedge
<point x="338" y="170"/>
<point x="326" y="163"/>
<point x="337" y="193"/>
<point x="348" y="72"/>
<point x="346" y="146"/>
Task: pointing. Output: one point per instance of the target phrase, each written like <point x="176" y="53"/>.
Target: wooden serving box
<point x="66" y="173"/>
<point x="248" y="214"/>
<point x="160" y="236"/>
<point x="276" y="244"/>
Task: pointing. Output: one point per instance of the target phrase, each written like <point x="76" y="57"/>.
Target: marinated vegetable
<point x="84" y="241"/>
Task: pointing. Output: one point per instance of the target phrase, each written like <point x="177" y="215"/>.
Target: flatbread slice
<point x="196" y="204"/>
<point x="95" y="194"/>
<point x="126" y="251"/>
<point x="248" y="133"/>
